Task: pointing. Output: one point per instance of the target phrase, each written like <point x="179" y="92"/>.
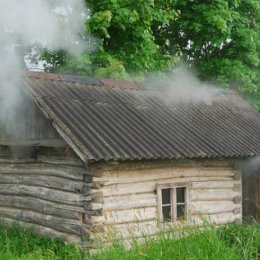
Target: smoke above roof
<point x="51" y="24"/>
<point x="182" y="86"/>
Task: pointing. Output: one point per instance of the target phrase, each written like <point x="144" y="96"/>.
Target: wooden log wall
<point x="50" y="193"/>
<point x="128" y="201"/>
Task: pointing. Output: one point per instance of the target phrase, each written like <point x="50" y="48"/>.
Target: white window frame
<point x="173" y="204"/>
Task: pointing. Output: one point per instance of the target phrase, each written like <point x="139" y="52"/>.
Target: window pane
<point x="181" y="211"/>
<point x="166" y="196"/>
<point x="166" y="211"/>
<point x="180" y="195"/>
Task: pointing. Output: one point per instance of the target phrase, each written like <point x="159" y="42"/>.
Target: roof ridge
<point x="114" y="83"/>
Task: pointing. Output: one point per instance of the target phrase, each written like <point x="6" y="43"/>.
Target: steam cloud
<point x="52" y="24"/>
<point x="182" y="86"/>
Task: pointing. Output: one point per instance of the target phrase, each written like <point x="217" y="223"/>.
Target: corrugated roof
<point x="121" y="123"/>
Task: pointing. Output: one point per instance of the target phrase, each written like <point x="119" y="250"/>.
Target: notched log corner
<point x="94" y="213"/>
<point x="97" y="197"/>
<point x="237" y="199"/>
<point x="87" y="178"/>
<point x="86" y="190"/>
<point x="87" y="205"/>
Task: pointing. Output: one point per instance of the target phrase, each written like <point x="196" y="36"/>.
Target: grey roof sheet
<point x="114" y="123"/>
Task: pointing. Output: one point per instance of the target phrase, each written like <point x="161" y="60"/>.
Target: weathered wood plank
<point x="111" y="178"/>
<point x="214" y="184"/>
<point x="69" y="172"/>
<point x="60" y="159"/>
<point x="60" y="224"/>
<point x="141" y="200"/>
<point x="67" y="198"/>
<point x="53" y="182"/>
<point x="127" y="216"/>
<point x="42" y="206"/>
<point x="212" y="194"/>
<point x="212" y="207"/>
<point x="130" y="230"/>
<point x="185" y="163"/>
<point x="150" y="186"/>
<point x="218" y="219"/>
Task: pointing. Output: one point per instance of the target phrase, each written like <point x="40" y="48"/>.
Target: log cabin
<point x="88" y="155"/>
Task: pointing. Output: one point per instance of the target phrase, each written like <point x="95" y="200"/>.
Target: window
<point x="172" y="202"/>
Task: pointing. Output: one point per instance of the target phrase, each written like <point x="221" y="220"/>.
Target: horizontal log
<point x="42" y="206"/>
<point x="214" y="184"/>
<point x="159" y="164"/>
<point x="47" y="159"/>
<point x="43" y="181"/>
<point x="10" y="160"/>
<point x="63" y="157"/>
<point x="147" y="186"/>
<point x="130" y="230"/>
<point x="67" y="198"/>
<point x="212" y="194"/>
<point x="117" y="177"/>
<point x="128" y="216"/>
<point x="63" y="225"/>
<point x="141" y="200"/>
<point x="69" y="172"/>
<point x="46" y="231"/>
<point x="217" y="219"/>
<point x="210" y="207"/>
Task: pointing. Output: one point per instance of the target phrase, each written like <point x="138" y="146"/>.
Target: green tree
<point x="220" y="39"/>
<point x="125" y="30"/>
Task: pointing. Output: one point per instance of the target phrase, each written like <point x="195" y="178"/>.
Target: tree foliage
<point x="220" y="39"/>
<point x="125" y="30"/>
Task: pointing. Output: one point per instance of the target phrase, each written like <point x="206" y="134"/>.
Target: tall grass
<point x="18" y="243"/>
<point x="231" y="242"/>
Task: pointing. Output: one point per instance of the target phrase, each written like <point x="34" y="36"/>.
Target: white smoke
<point x="51" y="24"/>
<point x="182" y="86"/>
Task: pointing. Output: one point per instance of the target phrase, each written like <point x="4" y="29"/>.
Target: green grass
<point x="18" y="243"/>
<point x="231" y="242"/>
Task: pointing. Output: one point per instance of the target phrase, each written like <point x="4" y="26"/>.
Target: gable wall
<point x="28" y="126"/>
<point x="128" y="198"/>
